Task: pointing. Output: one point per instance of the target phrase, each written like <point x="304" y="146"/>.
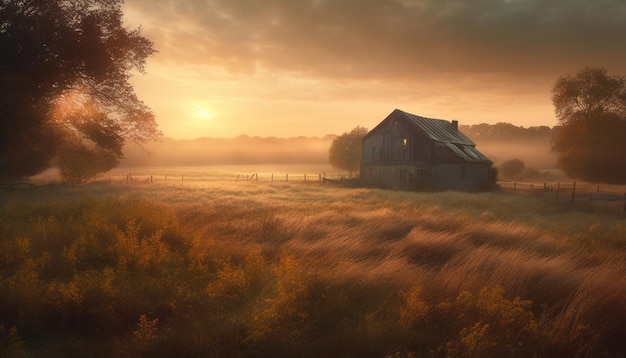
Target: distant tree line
<point x="507" y="131"/>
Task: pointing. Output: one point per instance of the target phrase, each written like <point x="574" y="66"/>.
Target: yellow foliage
<point x="231" y="284"/>
<point x="285" y="315"/>
<point x="143" y="254"/>
<point x="415" y="309"/>
<point x="492" y="325"/>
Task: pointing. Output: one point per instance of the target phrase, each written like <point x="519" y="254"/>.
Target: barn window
<point x="404" y="141"/>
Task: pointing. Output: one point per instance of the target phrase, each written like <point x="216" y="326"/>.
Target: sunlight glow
<point x="202" y="113"/>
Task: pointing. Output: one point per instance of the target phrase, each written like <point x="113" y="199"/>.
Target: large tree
<point x="345" y="150"/>
<point x="591" y="109"/>
<point x="64" y="83"/>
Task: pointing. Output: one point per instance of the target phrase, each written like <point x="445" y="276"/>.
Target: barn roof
<point x="444" y="132"/>
<point x="437" y="129"/>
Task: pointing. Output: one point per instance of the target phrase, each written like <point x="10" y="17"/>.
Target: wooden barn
<point x="406" y="151"/>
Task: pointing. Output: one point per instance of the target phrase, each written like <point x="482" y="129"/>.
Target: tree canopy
<point x="591" y="109"/>
<point x="512" y="168"/>
<point x="345" y="151"/>
<point x="64" y="83"/>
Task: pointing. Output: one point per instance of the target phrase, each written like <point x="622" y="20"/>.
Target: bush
<point x="482" y="325"/>
<point x="512" y="168"/>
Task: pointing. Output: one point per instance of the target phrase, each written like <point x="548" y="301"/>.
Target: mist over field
<point x="221" y="151"/>
<point x="535" y="154"/>
<point x="500" y="143"/>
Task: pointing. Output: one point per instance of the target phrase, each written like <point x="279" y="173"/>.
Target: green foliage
<point x="60" y="58"/>
<point x="591" y="108"/>
<point x="345" y="151"/>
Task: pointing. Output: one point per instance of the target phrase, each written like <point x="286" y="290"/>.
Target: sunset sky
<point x="289" y="68"/>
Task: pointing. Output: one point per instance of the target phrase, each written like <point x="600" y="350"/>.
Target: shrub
<point x="512" y="168"/>
<point x="482" y="325"/>
<point x="11" y="345"/>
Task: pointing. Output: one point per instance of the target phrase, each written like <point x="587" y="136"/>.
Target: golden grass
<point x="304" y="269"/>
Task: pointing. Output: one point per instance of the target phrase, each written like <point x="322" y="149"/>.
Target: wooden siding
<point x="405" y="152"/>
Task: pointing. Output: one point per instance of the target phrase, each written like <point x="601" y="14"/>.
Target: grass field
<point x="230" y="269"/>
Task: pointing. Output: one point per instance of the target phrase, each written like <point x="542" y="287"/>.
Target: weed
<point x="288" y="269"/>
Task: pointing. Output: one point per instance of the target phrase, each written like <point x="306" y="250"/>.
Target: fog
<point x="221" y="151"/>
<point x="534" y="151"/>
<point x="536" y="155"/>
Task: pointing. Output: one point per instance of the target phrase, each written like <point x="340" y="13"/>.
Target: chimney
<point x="455" y="124"/>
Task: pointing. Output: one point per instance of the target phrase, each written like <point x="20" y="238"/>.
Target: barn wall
<point x="397" y="155"/>
<point x="384" y="176"/>
<point x="466" y="176"/>
<point x="395" y="175"/>
<point x="395" y="140"/>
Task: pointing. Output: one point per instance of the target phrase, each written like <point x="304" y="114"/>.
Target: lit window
<point x="403" y="147"/>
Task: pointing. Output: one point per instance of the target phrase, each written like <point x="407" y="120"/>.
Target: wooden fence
<point x="573" y="192"/>
<point x="271" y="177"/>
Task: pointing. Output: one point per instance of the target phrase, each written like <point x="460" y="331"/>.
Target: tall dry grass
<point x="295" y="269"/>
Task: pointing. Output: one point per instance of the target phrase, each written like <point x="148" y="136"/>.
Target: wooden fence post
<point x="287" y="177"/>
<point x="514" y="186"/>
<point x="573" y="193"/>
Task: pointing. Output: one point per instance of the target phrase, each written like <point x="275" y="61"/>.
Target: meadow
<point x="221" y="268"/>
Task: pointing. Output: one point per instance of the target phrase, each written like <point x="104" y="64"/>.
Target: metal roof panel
<point x="438" y="129"/>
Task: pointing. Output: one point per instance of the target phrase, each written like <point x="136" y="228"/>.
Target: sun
<point x="202" y="113"/>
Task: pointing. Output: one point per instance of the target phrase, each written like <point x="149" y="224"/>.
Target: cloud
<point x="374" y="39"/>
<point x="479" y="60"/>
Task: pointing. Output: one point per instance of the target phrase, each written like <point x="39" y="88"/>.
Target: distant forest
<point x="507" y="131"/>
<point x="504" y="141"/>
<point x="500" y="142"/>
